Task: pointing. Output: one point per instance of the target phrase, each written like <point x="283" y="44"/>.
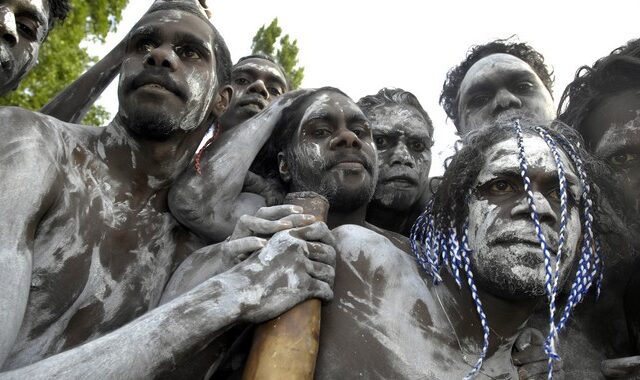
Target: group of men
<point x="152" y="247"/>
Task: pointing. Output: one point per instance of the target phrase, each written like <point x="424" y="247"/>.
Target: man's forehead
<point x="328" y="102"/>
<point x="617" y="110"/>
<point x="182" y="22"/>
<point x="398" y="117"/>
<point x="258" y="66"/>
<point x="499" y="63"/>
<point x="39" y="8"/>
<point x="504" y="156"/>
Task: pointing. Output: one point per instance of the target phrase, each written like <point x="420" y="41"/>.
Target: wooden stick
<point x="286" y="348"/>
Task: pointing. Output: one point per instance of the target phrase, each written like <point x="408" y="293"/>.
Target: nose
<point x="401" y="156"/>
<point x="258" y="87"/>
<point x="162" y="56"/>
<point x="505" y="100"/>
<point x="345" y="138"/>
<point x="8" y="29"/>
<point x="546" y="213"/>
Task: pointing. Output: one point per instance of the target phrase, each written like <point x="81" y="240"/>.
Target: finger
<point x="539" y="370"/>
<point x="317" y="231"/>
<point x="244" y="246"/>
<point x="251" y="225"/>
<point x="277" y="212"/>
<point x="322" y="253"/>
<point x="320" y="290"/>
<point x="299" y="220"/>
<point x="320" y="271"/>
<point x="621" y="367"/>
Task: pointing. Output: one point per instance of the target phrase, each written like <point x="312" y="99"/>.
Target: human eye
<point x="275" y="91"/>
<point x="417" y="146"/>
<point x="500" y="187"/>
<point x="382" y="142"/>
<point x="624" y="160"/>
<point x="27" y="28"/>
<point x="145" y="44"/>
<point x="320" y="129"/>
<point x="188" y="53"/>
<point x="479" y="100"/>
<point x="241" y="81"/>
<point x="524" y="86"/>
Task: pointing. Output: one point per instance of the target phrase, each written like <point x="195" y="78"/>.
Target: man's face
<point x="501" y="84"/>
<point x="612" y="130"/>
<point x="24" y="25"/>
<point x="256" y="82"/>
<point x="167" y="80"/>
<point x="403" y="141"/>
<point x="332" y="152"/>
<point x="507" y="258"/>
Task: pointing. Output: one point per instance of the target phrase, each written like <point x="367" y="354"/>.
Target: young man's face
<point x="256" y="82"/>
<point x="332" y="152"/>
<point x="23" y="24"/>
<point x="403" y="141"/>
<point x="507" y="259"/>
<point x="499" y="85"/>
<point x="612" y="130"/>
<point x="167" y="81"/>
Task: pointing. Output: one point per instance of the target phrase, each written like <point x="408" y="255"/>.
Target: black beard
<point x="152" y="125"/>
<point x="398" y="200"/>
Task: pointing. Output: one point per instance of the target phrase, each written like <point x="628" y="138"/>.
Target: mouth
<point x="531" y="242"/>
<point x="402" y="181"/>
<point x="253" y="103"/>
<point x="156" y="84"/>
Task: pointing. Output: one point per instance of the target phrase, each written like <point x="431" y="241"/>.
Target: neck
<point x="144" y="162"/>
<point x="506" y="319"/>
<point x="336" y="218"/>
<point x="387" y="218"/>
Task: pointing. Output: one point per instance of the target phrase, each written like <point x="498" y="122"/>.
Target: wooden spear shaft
<point x="286" y="348"/>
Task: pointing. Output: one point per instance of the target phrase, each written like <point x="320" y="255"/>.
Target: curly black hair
<point x="58" y="10"/>
<point x="449" y="96"/>
<point x="390" y="96"/>
<point x="616" y="72"/>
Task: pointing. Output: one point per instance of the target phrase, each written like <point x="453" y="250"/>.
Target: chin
<point x="155" y="125"/>
<point x="392" y="198"/>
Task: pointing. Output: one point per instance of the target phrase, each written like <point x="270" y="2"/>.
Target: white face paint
<point x="507" y="258"/>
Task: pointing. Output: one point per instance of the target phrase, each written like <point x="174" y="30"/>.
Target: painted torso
<point x="101" y="256"/>
<point x="387" y="320"/>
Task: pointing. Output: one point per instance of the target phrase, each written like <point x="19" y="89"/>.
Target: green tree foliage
<point x="266" y="41"/>
<point x="62" y="59"/>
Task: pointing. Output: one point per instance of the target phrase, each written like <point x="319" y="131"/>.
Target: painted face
<point x="612" y="130"/>
<point x="167" y="80"/>
<point x="499" y="85"/>
<point x="256" y="82"/>
<point x="332" y="152"/>
<point x="507" y="259"/>
<point x="24" y="25"/>
<point x="403" y="142"/>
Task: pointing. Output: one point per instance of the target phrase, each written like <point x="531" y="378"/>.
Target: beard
<point x="387" y="196"/>
<point x="152" y="125"/>
<point x="316" y="176"/>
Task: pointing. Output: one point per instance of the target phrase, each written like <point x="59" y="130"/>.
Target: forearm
<point x="152" y="344"/>
<point x="74" y="101"/>
<point x="205" y="203"/>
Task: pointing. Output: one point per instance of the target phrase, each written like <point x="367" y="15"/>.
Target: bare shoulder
<point x="358" y="242"/>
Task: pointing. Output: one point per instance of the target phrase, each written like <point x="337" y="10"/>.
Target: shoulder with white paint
<point x="353" y="241"/>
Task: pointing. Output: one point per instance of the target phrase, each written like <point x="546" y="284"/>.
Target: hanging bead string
<point x="564" y="215"/>
<point x="465" y="252"/>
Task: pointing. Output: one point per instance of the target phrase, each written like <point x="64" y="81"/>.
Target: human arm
<point x="29" y="172"/>
<point x="207" y="204"/>
<point x="287" y="271"/>
<point x="74" y="101"/>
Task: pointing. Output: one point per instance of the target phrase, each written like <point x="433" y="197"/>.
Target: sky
<point x="362" y="46"/>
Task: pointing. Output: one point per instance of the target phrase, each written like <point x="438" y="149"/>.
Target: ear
<point x="283" y="168"/>
<point x="223" y="97"/>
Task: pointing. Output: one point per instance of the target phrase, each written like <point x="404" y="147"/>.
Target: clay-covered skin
<point x="23" y="26"/>
<point x="332" y="153"/>
<point x="90" y="244"/>
<point x="403" y="142"/>
<point x="501" y="85"/>
<point x="255" y="82"/>
<point x="508" y="260"/>
<point x="612" y="130"/>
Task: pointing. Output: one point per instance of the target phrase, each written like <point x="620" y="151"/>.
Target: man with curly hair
<point x="403" y="134"/>
<point x="603" y="105"/>
<point x="498" y="78"/>
<point x="24" y="25"/>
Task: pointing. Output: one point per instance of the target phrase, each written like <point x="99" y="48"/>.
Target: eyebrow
<point x="254" y="72"/>
<point x="511" y="76"/>
<point x="187" y="38"/>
